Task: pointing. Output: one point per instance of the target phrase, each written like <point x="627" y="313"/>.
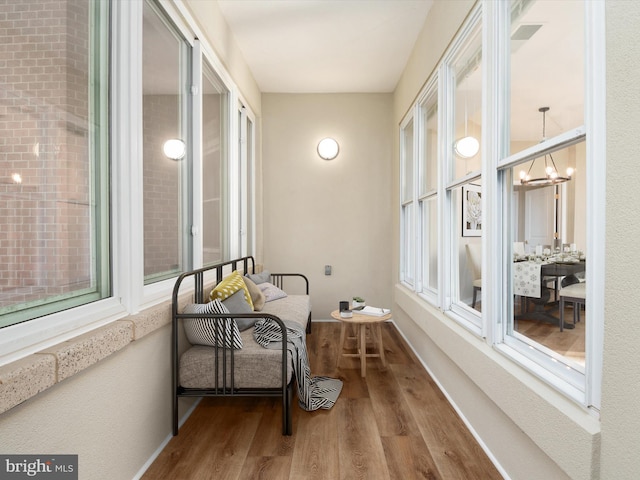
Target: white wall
<point x="319" y="212"/>
<point x="113" y="415"/>
<point x="621" y="378"/>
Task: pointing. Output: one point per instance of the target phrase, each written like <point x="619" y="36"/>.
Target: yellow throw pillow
<point x="230" y="285"/>
<point x="257" y="297"/>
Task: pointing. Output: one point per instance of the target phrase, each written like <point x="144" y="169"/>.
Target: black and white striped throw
<point x="313" y="392"/>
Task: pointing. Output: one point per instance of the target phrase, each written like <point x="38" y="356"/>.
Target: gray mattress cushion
<point x="293" y="307"/>
<point x="255" y="366"/>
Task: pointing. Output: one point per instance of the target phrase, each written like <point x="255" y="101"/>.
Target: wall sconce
<point x="328" y="148"/>
<point x="467" y="147"/>
<point x="175" y="149"/>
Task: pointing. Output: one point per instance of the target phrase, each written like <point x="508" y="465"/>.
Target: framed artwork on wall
<point x="471" y="210"/>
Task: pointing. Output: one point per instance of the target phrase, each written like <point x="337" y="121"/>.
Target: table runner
<point x="313" y="392"/>
<point x="526" y="279"/>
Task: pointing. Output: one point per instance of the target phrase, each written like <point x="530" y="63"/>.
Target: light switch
<point x="327" y="269"/>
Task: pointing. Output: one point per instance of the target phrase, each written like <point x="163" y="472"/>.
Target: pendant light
<point x="552" y="176"/>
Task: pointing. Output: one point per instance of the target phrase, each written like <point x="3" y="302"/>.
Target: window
<point x="166" y="115"/>
<point x="246" y="181"/>
<point x="463" y="175"/>
<point x="215" y="167"/>
<point x="428" y="191"/>
<point x="521" y="194"/>
<point x="97" y="220"/>
<point x="407" y="220"/>
<point x="546" y="186"/>
<point x="54" y="178"/>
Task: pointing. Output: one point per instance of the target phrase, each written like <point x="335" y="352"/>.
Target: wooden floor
<point x="569" y="342"/>
<point x="395" y="424"/>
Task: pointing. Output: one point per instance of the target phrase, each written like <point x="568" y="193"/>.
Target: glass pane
<point x="164" y="118"/>
<point x="214" y="165"/>
<point x="467" y="242"/>
<point x="430" y="242"/>
<point x="408" y="243"/>
<point x="467" y="70"/>
<point x="429" y="111"/>
<point x="547" y="69"/>
<point x="249" y="189"/>
<point x="548" y="229"/>
<point x="54" y="214"/>
<point x="407" y="161"/>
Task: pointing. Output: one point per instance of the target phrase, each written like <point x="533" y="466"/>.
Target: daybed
<point x="220" y="366"/>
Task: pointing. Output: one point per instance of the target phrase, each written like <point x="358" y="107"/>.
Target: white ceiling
<point x="326" y="46"/>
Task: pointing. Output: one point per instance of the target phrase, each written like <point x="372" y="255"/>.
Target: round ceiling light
<point x="328" y="148"/>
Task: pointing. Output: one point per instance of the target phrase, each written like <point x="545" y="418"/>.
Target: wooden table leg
<point x="343" y="331"/>
<point x="363" y="350"/>
<point x="380" y="347"/>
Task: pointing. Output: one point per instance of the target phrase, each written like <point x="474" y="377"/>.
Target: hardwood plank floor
<point x="394" y="424"/>
<point x="569" y="342"/>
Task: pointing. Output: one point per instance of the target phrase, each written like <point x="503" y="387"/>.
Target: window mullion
<point x="126" y="132"/>
<point x="197" y="133"/>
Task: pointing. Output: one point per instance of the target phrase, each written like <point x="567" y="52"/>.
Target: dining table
<point x="530" y="278"/>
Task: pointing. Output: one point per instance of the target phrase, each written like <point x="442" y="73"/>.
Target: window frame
<point x="408" y="225"/>
<point x="583" y="389"/>
<point x="453" y="307"/>
<point x="431" y="93"/>
<point x="68" y="314"/>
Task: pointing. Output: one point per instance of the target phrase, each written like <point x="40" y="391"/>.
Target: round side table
<point x="360" y="322"/>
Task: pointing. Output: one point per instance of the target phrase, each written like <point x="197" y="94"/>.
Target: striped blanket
<point x="313" y="392"/>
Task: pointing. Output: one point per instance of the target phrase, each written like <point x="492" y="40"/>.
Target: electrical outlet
<point x="327" y="269"/>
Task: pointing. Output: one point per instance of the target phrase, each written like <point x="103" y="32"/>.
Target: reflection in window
<point x="165" y="67"/>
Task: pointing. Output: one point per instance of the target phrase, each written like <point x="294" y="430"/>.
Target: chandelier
<point x="551" y="171"/>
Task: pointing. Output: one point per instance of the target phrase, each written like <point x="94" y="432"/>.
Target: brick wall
<point x="45" y="244"/>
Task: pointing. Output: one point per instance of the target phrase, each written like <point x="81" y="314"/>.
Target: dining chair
<point x="575" y="293"/>
<point x="474" y="259"/>
<point x="518" y="248"/>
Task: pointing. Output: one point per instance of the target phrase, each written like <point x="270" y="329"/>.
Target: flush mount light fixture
<point x="174" y="149"/>
<point x="328" y="148"/>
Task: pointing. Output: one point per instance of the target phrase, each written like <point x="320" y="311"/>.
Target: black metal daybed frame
<point x="224" y="357"/>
